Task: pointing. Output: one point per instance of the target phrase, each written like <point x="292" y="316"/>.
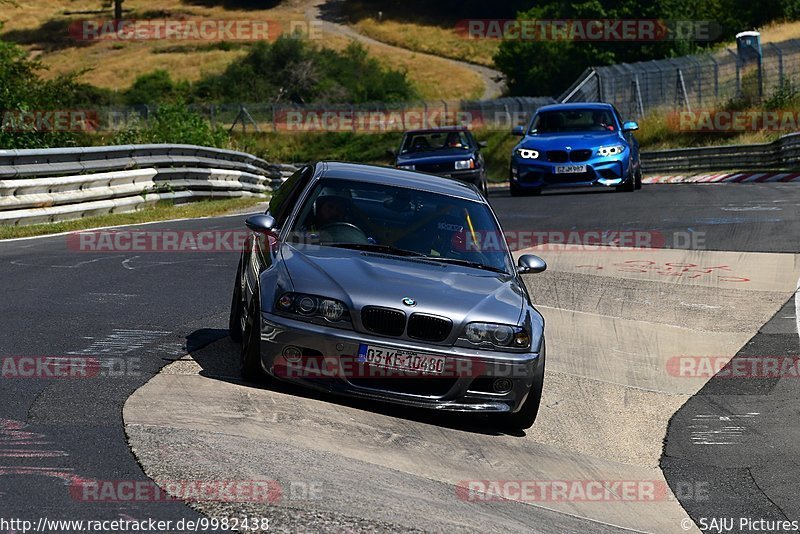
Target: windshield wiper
<point x="372" y="247"/>
<point x="466" y="263"/>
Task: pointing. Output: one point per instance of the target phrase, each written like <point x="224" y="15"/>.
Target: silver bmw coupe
<point x="389" y="285"/>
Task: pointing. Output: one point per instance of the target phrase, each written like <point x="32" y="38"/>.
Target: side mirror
<point x="530" y="264"/>
<point x="483" y="144"/>
<point x="630" y="126"/>
<point x="391" y="152"/>
<point x="260" y="223"/>
<point x="518" y="130"/>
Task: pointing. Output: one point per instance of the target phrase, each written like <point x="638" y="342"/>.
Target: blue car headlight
<point x="465" y="164"/>
<point x="527" y="153"/>
<point x="612" y="150"/>
<point x="406" y="167"/>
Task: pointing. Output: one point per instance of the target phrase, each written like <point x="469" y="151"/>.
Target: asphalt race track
<point x="628" y="400"/>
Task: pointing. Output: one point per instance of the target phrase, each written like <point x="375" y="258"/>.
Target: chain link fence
<point x="690" y="82"/>
<point x="501" y="113"/>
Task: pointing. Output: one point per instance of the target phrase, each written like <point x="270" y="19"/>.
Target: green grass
<point x="304" y="147"/>
<point x="361" y="147"/>
<point x="160" y="212"/>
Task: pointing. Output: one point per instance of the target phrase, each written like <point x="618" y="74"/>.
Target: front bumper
<point x="468" y="389"/>
<point x="608" y="171"/>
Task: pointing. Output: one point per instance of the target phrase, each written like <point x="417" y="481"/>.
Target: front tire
<point x="524" y="418"/>
<point x="638" y="178"/>
<point x="629" y="185"/>
<point x="250" y="356"/>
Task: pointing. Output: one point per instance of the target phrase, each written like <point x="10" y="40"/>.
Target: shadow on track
<point x="222" y="363"/>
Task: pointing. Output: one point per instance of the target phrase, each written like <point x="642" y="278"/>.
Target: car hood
<point x="434" y="156"/>
<point x="557" y="141"/>
<point x="360" y="278"/>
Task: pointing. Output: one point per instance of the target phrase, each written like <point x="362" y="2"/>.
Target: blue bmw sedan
<point x="575" y="145"/>
<point x="449" y="151"/>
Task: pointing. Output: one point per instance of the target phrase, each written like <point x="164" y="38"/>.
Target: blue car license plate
<point x="570" y="169"/>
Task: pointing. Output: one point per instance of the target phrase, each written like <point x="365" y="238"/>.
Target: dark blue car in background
<point x="575" y="145"/>
<point x="447" y="151"/>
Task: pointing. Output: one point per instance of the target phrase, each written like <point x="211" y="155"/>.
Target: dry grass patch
<point x="434" y="40"/>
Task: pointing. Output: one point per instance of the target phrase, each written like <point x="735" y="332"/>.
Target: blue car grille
<point x="384" y="321"/>
<point x="429" y="327"/>
<point x="580" y="155"/>
<point x="563" y="156"/>
<point x="556" y="156"/>
<point x="436" y="167"/>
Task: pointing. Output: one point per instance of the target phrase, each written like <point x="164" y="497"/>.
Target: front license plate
<point x="570" y="169"/>
<point x="404" y="360"/>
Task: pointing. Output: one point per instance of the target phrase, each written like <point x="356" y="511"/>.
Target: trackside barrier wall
<point x="48" y="185"/>
<point x="783" y="154"/>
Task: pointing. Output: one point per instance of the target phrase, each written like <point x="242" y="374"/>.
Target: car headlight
<point x="406" y="167"/>
<point x="465" y="164"/>
<point x="527" y="153"/>
<point x="313" y="306"/>
<point x="612" y="150"/>
<point x="498" y="335"/>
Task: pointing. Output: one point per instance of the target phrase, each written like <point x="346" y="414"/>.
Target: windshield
<point x="573" y="120"/>
<point x="401" y="221"/>
<point x="431" y="141"/>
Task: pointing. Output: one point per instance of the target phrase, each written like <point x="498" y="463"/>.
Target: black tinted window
<point x="282" y="201"/>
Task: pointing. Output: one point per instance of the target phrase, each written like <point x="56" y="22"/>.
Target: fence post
<point x="716" y="78"/>
<point x="738" y="74"/>
<point x="780" y="62"/>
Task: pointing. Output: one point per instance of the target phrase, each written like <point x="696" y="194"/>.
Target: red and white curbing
<point x="738" y="178"/>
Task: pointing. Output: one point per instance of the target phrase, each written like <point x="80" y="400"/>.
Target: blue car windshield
<point x="573" y="120"/>
<point x="432" y="141"/>
<point x="402" y="221"/>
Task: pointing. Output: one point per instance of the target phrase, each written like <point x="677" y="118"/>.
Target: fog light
<point x="502" y="385"/>
<point x="292" y="354"/>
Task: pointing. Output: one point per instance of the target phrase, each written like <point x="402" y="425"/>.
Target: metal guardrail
<point x="39" y="186"/>
<point x="781" y="154"/>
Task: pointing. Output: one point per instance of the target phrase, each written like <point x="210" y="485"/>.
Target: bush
<point x="294" y="70"/>
<point x="154" y="88"/>
<point x="173" y="123"/>
<point x="22" y="90"/>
